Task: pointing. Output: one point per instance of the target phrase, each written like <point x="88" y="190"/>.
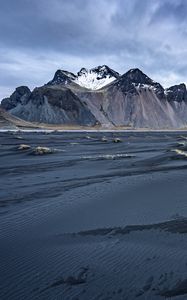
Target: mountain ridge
<point x="94" y="78"/>
<point x="101" y="96"/>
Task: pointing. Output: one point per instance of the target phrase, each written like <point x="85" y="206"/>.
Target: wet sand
<point x="95" y="219"/>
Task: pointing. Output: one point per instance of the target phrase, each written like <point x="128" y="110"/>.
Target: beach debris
<point x="104" y="139"/>
<point x="180" y="152"/>
<point x="24" y="147"/>
<point x="74" y="143"/>
<point x="117" y="140"/>
<point x="109" y="156"/>
<point x="183" y="137"/>
<point x="42" y="150"/>
<point x="182" y="144"/>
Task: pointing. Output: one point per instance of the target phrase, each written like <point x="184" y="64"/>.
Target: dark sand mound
<point x="174" y="226"/>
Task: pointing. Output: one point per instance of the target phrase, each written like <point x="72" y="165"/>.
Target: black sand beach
<point x="98" y="218"/>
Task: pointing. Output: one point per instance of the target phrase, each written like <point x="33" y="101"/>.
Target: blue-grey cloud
<point x="37" y="37"/>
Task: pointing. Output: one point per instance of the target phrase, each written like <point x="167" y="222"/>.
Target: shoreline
<point x="92" y="130"/>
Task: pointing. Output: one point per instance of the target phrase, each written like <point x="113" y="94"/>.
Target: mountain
<point x="20" y="96"/>
<point x="48" y="104"/>
<point x="101" y="96"/>
<point x="92" y="79"/>
<point x="137" y="80"/>
<point x="177" y="93"/>
<point x="62" y="77"/>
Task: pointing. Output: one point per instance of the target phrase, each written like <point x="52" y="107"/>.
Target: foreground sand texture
<point x="91" y="218"/>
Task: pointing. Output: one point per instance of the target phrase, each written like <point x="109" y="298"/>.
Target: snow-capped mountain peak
<point x="96" y="78"/>
<point x="93" y="79"/>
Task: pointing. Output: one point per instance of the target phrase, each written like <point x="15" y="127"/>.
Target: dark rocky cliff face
<point x="132" y="99"/>
<point x="177" y="97"/>
<point x="135" y="78"/>
<point x="101" y="71"/>
<point x="62" y="77"/>
<point x="177" y="93"/>
<point x="54" y="106"/>
<point x="20" y="95"/>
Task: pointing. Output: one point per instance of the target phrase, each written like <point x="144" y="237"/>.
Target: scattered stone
<point x="24" y="147"/>
<point x="117" y="140"/>
<point x="180" y="153"/>
<point x="42" y="150"/>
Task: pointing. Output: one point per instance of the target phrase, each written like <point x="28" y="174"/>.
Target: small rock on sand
<point x="117" y="140"/>
<point x="24" y="147"/>
<point x="42" y="150"/>
<point x="104" y="139"/>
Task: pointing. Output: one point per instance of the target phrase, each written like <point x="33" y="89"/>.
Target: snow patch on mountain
<point x="96" y="78"/>
<point x="93" y="79"/>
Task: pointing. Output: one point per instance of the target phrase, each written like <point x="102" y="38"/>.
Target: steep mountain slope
<point x="8" y="121"/>
<point x="177" y="97"/>
<point x="62" y="77"/>
<point x="102" y="96"/>
<point x="135" y="100"/>
<point x="20" y="95"/>
<point x="54" y="106"/>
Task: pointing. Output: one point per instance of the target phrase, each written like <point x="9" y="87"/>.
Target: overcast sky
<point x="37" y="37"/>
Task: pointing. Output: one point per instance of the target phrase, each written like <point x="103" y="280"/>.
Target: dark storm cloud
<point x="39" y="36"/>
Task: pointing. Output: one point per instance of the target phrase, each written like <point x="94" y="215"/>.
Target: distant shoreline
<point x="90" y="130"/>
